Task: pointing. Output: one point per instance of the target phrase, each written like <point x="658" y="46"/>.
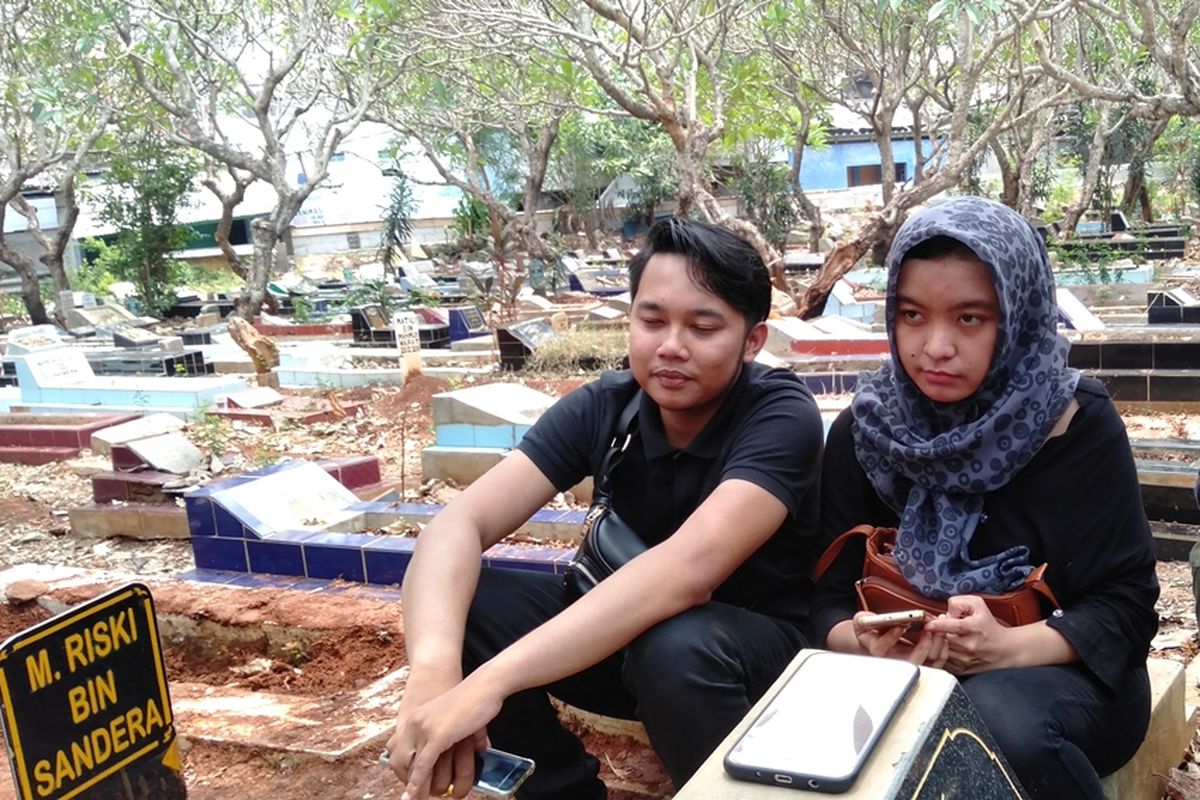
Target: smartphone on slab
<point x="817" y="732"/>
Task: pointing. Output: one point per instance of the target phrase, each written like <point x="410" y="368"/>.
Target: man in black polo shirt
<point x="720" y="481"/>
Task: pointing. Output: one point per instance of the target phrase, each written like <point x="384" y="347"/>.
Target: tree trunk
<point x="53" y="247"/>
<point x="1091" y="174"/>
<point x="748" y="231"/>
<point x="30" y="293"/>
<point x="840" y="260"/>
<point x="808" y="209"/>
<point x="1010" y="186"/>
<point x="887" y="162"/>
<point x="1029" y="156"/>
<point x="265" y="240"/>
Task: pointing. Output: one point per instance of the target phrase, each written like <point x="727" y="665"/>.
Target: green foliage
<point x="397" y="218"/>
<point x="302" y="309"/>
<point x="1093" y="260"/>
<point x="470" y="223"/>
<point x="368" y="293"/>
<point x="146" y="186"/>
<point x="763" y="187"/>
<point x="652" y="167"/>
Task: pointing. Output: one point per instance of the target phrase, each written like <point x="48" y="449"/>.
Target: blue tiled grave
<point x="55" y="377"/>
<point x="295" y="519"/>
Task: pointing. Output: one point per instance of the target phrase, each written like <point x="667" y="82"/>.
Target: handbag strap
<point x="835" y="548"/>
<point x="622" y="435"/>
<point x="1035" y="580"/>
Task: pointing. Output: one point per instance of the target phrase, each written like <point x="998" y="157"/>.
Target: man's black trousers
<point x="689" y="679"/>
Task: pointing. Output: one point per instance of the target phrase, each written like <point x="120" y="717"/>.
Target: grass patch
<point x="581" y="351"/>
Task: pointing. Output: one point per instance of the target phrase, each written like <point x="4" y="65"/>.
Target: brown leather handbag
<point x="882" y="588"/>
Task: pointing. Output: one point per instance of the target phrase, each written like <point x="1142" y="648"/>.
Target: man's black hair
<point x="719" y="261"/>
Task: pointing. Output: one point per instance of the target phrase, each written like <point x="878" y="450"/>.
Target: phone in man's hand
<point x="497" y="773"/>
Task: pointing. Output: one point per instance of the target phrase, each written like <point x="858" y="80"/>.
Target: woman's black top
<point x="1077" y="505"/>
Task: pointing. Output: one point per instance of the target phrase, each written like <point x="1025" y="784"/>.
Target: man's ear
<point x="755" y="339"/>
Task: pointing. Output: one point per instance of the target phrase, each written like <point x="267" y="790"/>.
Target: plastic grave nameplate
<point x="87" y="714"/>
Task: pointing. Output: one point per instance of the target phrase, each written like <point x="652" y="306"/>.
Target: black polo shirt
<point x="767" y="431"/>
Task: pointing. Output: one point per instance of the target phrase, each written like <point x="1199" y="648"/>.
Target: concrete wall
<point x="827" y="168"/>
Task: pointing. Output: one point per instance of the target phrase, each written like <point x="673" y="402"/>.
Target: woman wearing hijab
<point x="991" y="456"/>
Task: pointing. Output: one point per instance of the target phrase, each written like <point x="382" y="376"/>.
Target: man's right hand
<point x="455" y="769"/>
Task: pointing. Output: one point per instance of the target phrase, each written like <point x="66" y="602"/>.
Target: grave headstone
<point x="935" y="747"/>
<point x="621" y="302"/>
<point x="371" y="325"/>
<point x="1174" y="306"/>
<point x="258" y="397"/>
<point x="466" y="321"/>
<point x="518" y="341"/>
<point x="135" y="338"/>
<point x="299" y="495"/>
<point x="407" y="326"/>
<point x="168" y="452"/>
<point x="606" y="314"/>
<point x="414" y="279"/>
<point x="141" y="428"/>
<point x="87" y="713"/>
<point x="61" y="366"/>
<point x="1073" y="313"/>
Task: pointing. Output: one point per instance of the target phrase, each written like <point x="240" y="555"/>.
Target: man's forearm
<point x="437" y="592"/>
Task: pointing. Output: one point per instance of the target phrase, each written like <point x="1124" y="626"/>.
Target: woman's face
<point x="947" y="316"/>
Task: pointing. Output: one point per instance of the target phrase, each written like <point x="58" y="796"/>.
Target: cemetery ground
<point x="359" y="632"/>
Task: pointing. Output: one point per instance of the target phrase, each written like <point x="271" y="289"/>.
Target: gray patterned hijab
<point x="933" y="463"/>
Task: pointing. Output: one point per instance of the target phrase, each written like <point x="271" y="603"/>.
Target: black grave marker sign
<point x="519" y="340"/>
<point x="86" y="708"/>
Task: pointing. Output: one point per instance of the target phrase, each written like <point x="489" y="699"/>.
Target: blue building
<point x="852" y="159"/>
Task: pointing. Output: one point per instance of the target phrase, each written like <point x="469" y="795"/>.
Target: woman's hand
<point x="976" y="640"/>
<point x="849" y="636"/>
<point x="442" y="723"/>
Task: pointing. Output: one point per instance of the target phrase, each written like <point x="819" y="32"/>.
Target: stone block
<point x="141" y="428"/>
<point x="1144" y="777"/>
<point x="492" y="404"/>
<point x="133" y="520"/>
<point x="462" y="465"/>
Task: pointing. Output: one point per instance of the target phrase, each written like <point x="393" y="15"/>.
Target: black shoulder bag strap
<point x="623" y="434"/>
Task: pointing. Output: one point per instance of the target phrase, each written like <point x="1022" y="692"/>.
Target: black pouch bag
<point x="608" y="542"/>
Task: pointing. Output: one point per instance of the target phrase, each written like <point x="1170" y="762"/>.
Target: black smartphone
<point x="498" y="773"/>
<point x="818" y="731"/>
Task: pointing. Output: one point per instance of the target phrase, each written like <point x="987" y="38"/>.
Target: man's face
<point x="686" y="346"/>
<point x="947" y="317"/>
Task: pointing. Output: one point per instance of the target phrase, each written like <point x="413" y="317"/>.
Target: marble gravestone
<point x="935" y="748"/>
